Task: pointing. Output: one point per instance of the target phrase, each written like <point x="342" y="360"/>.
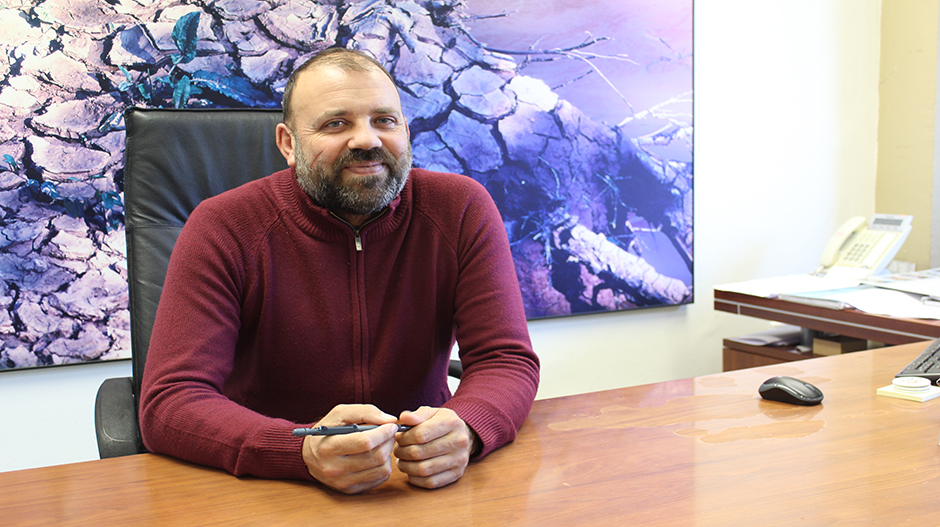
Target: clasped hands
<point x="434" y="453"/>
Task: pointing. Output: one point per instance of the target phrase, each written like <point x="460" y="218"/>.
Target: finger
<point x="358" y="442"/>
<point x="436" y="451"/>
<point x="345" y="414"/>
<point x="441" y="425"/>
<point x="353" y="462"/>
<point x="363" y="471"/>
<point x="361" y="481"/>
<point x="453" y="461"/>
<point x="433" y="473"/>
<point x="415" y="446"/>
<point x="419" y="416"/>
<point x="427" y="425"/>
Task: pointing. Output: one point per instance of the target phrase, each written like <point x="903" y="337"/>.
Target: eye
<point x="386" y="121"/>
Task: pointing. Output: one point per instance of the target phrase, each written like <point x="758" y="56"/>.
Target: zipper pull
<point x="358" y="242"/>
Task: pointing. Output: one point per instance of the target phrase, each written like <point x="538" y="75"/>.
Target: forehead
<point x="329" y="89"/>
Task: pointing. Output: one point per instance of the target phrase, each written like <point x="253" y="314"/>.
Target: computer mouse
<point x="791" y="391"/>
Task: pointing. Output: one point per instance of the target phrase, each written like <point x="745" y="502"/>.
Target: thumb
<point x="356" y="414"/>
<point x="418" y="416"/>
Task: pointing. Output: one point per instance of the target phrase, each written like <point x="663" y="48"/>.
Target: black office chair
<point x="173" y="160"/>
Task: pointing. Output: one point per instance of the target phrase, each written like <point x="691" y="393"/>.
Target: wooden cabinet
<point x="738" y="355"/>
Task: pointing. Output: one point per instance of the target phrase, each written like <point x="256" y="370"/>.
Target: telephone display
<point x="861" y="248"/>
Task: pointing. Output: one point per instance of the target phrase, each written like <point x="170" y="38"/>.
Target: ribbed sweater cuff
<point x="276" y="455"/>
<point x="492" y="433"/>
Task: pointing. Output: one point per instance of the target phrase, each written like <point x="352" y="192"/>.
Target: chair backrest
<point x="174" y="159"/>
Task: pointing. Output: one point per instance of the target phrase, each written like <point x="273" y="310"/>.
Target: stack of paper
<point x="904" y="298"/>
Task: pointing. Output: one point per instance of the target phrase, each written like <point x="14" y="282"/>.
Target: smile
<point x="366" y="169"/>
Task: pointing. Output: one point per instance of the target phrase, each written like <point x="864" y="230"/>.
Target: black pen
<point x="339" y="430"/>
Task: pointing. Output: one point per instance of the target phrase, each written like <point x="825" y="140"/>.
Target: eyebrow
<point x="386" y="109"/>
<point x="342" y="113"/>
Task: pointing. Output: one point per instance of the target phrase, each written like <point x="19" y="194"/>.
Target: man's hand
<point x="436" y="451"/>
<point x="352" y="463"/>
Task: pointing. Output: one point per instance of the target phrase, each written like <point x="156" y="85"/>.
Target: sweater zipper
<point x="357" y="231"/>
<point x="362" y="384"/>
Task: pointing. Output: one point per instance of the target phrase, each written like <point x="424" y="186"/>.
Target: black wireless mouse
<point x="791" y="391"/>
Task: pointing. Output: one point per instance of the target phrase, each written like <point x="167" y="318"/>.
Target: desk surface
<point x="849" y="322"/>
<point x="701" y="451"/>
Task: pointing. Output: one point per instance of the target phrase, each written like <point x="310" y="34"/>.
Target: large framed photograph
<point x="577" y="117"/>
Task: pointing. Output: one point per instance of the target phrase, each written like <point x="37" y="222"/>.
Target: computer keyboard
<point x="926" y="365"/>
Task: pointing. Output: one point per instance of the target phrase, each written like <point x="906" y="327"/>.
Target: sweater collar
<point x="319" y="220"/>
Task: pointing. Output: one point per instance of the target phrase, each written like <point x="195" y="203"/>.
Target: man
<point x="331" y="293"/>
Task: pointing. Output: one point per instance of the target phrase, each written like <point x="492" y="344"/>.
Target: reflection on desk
<point x="701" y="451"/>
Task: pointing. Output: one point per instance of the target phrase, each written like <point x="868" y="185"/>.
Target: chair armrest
<point x="455" y="369"/>
<point x="116" y="419"/>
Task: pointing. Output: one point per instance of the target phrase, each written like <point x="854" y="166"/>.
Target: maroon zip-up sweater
<point x="274" y="311"/>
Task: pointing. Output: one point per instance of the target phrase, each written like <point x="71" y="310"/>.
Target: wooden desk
<point x="848" y="322"/>
<point x="737" y="355"/>
<point x="705" y="451"/>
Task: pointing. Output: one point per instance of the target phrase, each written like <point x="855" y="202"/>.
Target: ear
<point x="285" y="143"/>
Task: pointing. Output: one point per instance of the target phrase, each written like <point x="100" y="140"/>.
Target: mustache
<point x="359" y="156"/>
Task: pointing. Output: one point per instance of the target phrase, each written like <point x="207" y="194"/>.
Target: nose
<point x="364" y="137"/>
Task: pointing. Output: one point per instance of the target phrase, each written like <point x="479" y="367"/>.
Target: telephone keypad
<point x="867" y="248"/>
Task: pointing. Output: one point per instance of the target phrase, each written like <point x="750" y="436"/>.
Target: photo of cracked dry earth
<point x="576" y="116"/>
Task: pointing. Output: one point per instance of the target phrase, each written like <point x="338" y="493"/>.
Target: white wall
<point x="47" y="415"/>
<point x="786" y="102"/>
<point x="785" y="149"/>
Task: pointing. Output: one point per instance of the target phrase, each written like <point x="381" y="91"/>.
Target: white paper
<point x="875" y="300"/>
<point x="880" y="301"/>
<point x="797" y="283"/>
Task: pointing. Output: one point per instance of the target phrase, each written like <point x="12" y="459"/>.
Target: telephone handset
<point x="862" y="248"/>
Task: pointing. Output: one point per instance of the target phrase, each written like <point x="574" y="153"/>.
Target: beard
<point x="361" y="195"/>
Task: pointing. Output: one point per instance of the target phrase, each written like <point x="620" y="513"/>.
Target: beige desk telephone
<point x="861" y="248"/>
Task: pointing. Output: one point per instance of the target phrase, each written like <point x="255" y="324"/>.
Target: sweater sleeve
<point x="501" y="371"/>
<point x="183" y="411"/>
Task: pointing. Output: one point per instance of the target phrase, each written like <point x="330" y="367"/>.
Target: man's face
<point x="350" y="147"/>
